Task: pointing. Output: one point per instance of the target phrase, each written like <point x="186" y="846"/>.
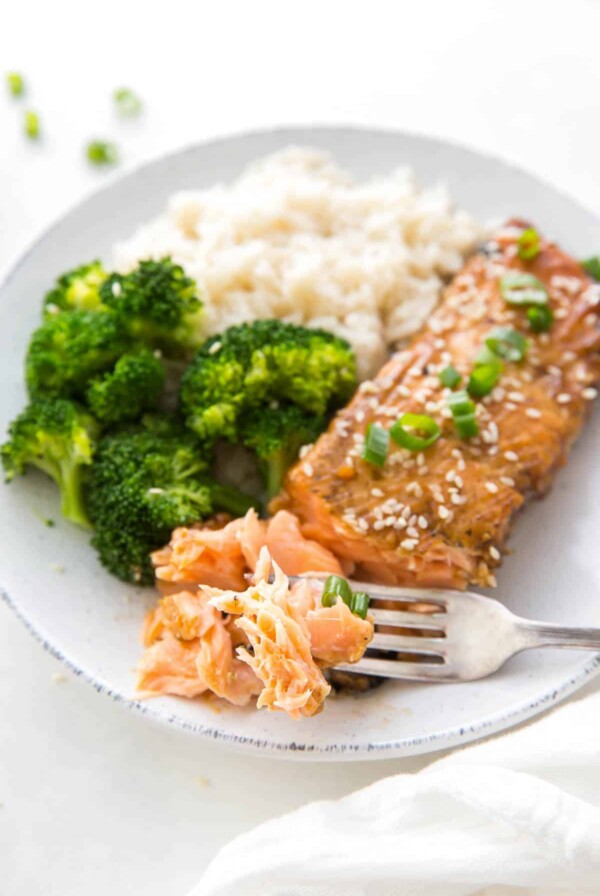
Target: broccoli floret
<point x="159" y="304"/>
<point x="77" y="290"/>
<point x="251" y="365"/>
<point x="124" y="393"/>
<point x="275" y="435"/>
<point x="70" y="348"/>
<point x="58" y="437"/>
<point x="144" y="483"/>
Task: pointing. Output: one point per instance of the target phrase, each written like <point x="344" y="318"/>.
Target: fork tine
<point x="408" y="644"/>
<point x="402" y="619"/>
<point x="400" y="669"/>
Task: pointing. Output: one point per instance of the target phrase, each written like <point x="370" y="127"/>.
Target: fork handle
<point x="547" y="634"/>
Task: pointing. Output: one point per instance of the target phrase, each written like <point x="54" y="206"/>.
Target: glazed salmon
<point x="442" y="516"/>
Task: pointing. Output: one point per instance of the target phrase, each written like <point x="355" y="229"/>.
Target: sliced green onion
<point x="406" y="431"/>
<point x="460" y="404"/>
<point x="15" y="83"/>
<point x="467" y="426"/>
<point x="450" y="377"/>
<point x="483" y="379"/>
<point x="485" y="356"/>
<point x="592" y="266"/>
<point x="540" y="318"/>
<point x="528" y="244"/>
<point x="360" y="603"/>
<point x="100" y="152"/>
<point x="523" y="289"/>
<point x="31" y="124"/>
<point x="334" y="587"/>
<point x="463" y="414"/>
<point x="377" y="443"/>
<point x="508" y="343"/>
<point x="128" y="104"/>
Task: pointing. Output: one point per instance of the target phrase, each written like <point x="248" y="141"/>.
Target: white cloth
<point x="519" y="811"/>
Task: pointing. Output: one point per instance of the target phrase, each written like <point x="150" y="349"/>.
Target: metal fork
<point x="449" y="636"/>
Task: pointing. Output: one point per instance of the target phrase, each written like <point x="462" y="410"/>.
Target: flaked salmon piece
<point x="207" y="555"/>
<point x="168" y="666"/>
<point x="281" y="651"/>
<point x="294" y="553"/>
<point x="441" y="517"/>
<point x="252" y="536"/>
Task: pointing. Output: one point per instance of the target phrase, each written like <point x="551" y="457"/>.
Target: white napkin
<point x="522" y="810"/>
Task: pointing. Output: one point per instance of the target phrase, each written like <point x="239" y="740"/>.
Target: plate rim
<point x="271" y="748"/>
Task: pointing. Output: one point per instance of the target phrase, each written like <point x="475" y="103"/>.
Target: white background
<point x="96" y="799"/>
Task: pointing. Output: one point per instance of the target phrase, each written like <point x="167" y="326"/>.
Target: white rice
<point x="296" y="237"/>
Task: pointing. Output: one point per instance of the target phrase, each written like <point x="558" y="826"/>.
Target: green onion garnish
<point x="450" y="377"/>
<point x="463" y="414"/>
<point x="334" y="587"/>
<point x="31" y="124"/>
<point x="508" y="343"/>
<point x="523" y="289"/>
<point x="483" y="379"/>
<point x="592" y="266"/>
<point x="360" y="603"/>
<point x="99" y="152"/>
<point x="128" y="104"/>
<point x="528" y="244"/>
<point x="377" y="443"/>
<point x="485" y="355"/>
<point x="415" y="431"/>
<point x="15" y="83"/>
<point x="540" y="318"/>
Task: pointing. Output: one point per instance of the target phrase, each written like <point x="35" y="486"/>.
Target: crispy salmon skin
<point x="441" y="517"/>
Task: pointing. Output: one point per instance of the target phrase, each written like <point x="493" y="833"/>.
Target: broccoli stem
<point x="231" y="500"/>
<point x="274" y="471"/>
<point x="73" y="507"/>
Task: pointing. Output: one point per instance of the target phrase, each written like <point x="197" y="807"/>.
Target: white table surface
<point x="95" y="799"/>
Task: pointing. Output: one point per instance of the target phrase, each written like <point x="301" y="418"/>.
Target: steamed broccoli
<point x="252" y="365"/>
<point x="69" y="349"/>
<point x="58" y="437"/>
<point x="159" y="305"/>
<point x="77" y="290"/>
<point x="124" y="393"/>
<point x="275" y="435"/>
<point x="144" y="483"/>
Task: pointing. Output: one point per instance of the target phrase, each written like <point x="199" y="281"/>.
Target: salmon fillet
<point x="441" y="517"/>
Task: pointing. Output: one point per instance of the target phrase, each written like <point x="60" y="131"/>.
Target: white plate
<point x="92" y="622"/>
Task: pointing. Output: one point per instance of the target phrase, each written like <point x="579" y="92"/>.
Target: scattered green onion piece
<point x="99" y="152"/>
<point x="377" y="443"/>
<point x="508" y="343"/>
<point x="540" y="318"/>
<point x="485" y="356"/>
<point x="592" y="266"/>
<point x="360" y="603"/>
<point x="450" y="377"/>
<point x="15" y="83"/>
<point x="31" y="124"/>
<point x="523" y="289"/>
<point x="528" y="244"/>
<point x="483" y="379"/>
<point x="334" y="587"/>
<point x="463" y="414"/>
<point x="418" y="423"/>
<point x="466" y="426"/>
<point x="128" y="104"/>
<point x="460" y="404"/>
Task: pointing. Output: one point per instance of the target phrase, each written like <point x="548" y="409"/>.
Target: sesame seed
<point x="304" y="451"/>
<point x="377" y="493"/>
<point x="412" y="532"/>
<point x="563" y="398"/>
<point x="116" y="289"/>
<point x="308" y="469"/>
<point x="507" y="480"/>
<point x="404" y="391"/>
<point x="438" y="497"/>
<point x="516" y="396"/>
<point x="215" y="347"/>
<point x="439" y="343"/>
<point x="569" y="356"/>
<point x="534" y="413"/>
<point x="456" y="498"/>
<point x="378" y="525"/>
<point x="400" y="523"/>
<point x="422" y="521"/>
<point x="492" y="488"/>
<point x="511" y="456"/>
<point x="359" y="416"/>
<point x="368" y="387"/>
<point x="373" y="403"/>
<point x="413" y="488"/>
<point x="590" y="393"/>
<point x="492" y="451"/>
<point x="406" y="513"/>
<point x="408" y="544"/>
<point x="459" y="481"/>
<point x="462" y="465"/>
<point x="494" y="553"/>
<point x="450" y="475"/>
<point x="443" y="512"/>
